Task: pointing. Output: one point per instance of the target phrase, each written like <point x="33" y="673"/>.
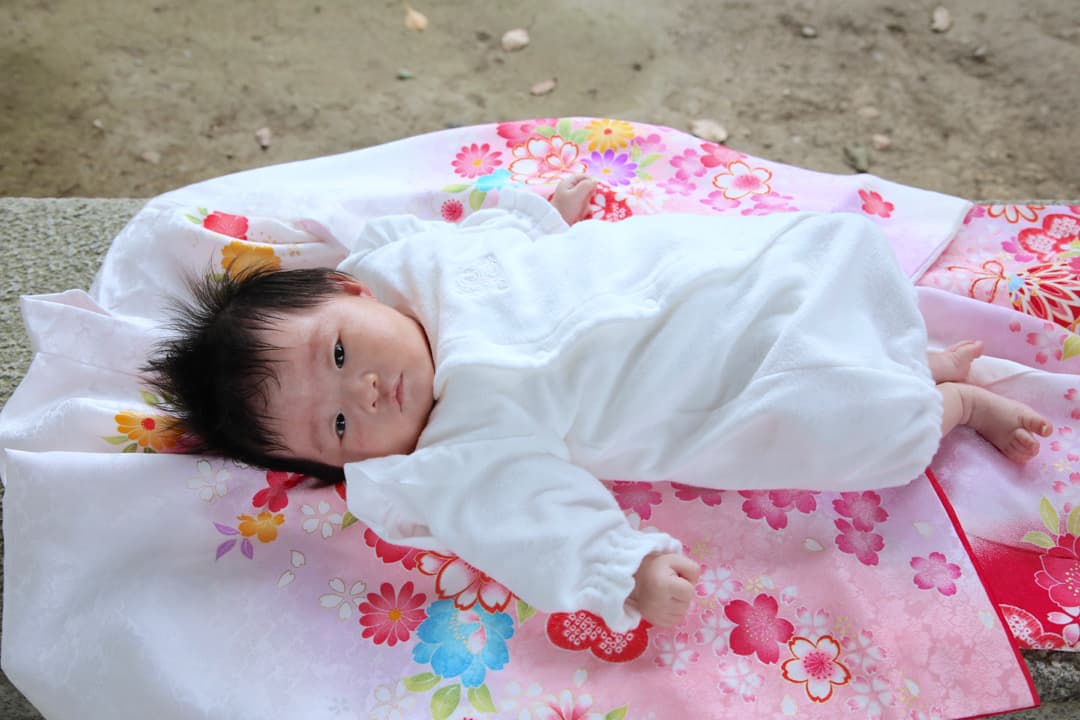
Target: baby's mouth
<point x="399" y="392"/>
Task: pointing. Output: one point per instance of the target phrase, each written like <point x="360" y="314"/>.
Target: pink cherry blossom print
<point x="874" y="204"/>
<point x="863" y="545"/>
<point x="759" y="631"/>
<point x="863" y="508"/>
<point x="816" y="665"/>
<point x="638" y="497"/>
<point x="935" y="572"/>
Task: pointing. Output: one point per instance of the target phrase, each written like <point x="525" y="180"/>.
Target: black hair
<point x="213" y="372"/>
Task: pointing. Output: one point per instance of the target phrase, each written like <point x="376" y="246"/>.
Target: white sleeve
<point x="521" y="210"/>
<point x="516" y="209"/>
<point x="545" y="528"/>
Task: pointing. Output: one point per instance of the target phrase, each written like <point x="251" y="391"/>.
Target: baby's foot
<point x="954" y="363"/>
<point x="1010" y="425"/>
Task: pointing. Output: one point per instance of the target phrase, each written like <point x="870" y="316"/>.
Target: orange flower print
<point x="543" y="160"/>
<point x="609" y="134"/>
<point x="240" y="257"/>
<point x="147" y="431"/>
<point x="265" y="525"/>
<point x="816" y="664"/>
<point x="740" y="180"/>
<point x="1015" y="213"/>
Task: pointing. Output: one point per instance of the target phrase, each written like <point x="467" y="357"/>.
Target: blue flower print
<point x="494" y="181"/>
<point x="463" y="642"/>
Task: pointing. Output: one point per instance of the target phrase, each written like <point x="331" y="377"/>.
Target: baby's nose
<point x="368" y="392"/>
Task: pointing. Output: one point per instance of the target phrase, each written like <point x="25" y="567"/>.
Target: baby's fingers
<point x="686" y="568"/>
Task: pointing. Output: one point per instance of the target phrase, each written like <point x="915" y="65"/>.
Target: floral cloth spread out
<point x="140" y="579"/>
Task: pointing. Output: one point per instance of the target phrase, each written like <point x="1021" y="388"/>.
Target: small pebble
<point x="857" y="156"/>
<point x="881" y="142"/>
<point x="979" y="53"/>
<point x="515" y="39"/>
<point x="263" y="136"/>
<point x="404" y="74"/>
<point x="809" y="31"/>
<point x="544" y="87"/>
<point x="415" y="20"/>
<point x="941" y="20"/>
<point x="98" y="124"/>
<point x="710" y="130"/>
<point x="151" y="157"/>
<point x="869" y="112"/>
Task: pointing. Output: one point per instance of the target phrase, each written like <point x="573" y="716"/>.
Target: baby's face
<point x="355" y="380"/>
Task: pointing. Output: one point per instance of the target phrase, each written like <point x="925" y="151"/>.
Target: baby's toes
<point x="1022" y="445"/>
<point x="1036" y="424"/>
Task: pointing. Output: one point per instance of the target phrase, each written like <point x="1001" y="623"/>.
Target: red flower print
<point x="774" y="505"/>
<point x="712" y="498"/>
<point x="863" y="545"/>
<point x="452" y="210"/>
<point x="583" y="630"/>
<point x="275" y="497"/>
<point x="1028" y="631"/>
<point x="390" y="553"/>
<point x="607" y="205"/>
<point x="1060" y="575"/>
<point x="816" y="664"/>
<point x="935" y="572"/>
<point x="235" y="226"/>
<point x="476" y="160"/>
<point x="758" y="630"/>
<point x="389" y="618"/>
<point x="636" y="496"/>
<point x="864" y="509"/>
<point x="458" y="580"/>
<point x="517" y="133"/>
<point x="1057" y="234"/>
<point x="874" y="204"/>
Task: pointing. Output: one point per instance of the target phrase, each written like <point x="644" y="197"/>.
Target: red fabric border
<point x="989" y="592"/>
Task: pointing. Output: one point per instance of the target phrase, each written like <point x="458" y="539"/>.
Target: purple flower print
<point x="245" y="544"/>
<point x="610" y="168"/>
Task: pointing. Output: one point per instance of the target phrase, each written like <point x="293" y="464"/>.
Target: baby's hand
<point x="572" y="197"/>
<point x="664" y="587"/>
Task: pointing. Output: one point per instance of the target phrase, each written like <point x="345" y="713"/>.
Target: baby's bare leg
<point x="954" y="363"/>
<point x="1010" y="425"/>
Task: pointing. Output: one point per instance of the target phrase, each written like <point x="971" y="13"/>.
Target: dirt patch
<point x="120" y="98"/>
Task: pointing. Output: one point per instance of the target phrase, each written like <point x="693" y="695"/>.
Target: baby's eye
<point x="339" y="425"/>
<point x="339" y="354"/>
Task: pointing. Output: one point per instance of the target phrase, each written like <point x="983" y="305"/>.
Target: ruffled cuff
<point x="608" y="573"/>
<point x="541" y="214"/>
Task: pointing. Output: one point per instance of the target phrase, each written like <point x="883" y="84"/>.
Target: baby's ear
<point x="351" y="286"/>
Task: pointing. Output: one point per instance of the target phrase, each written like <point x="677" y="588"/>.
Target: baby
<point x="470" y="383"/>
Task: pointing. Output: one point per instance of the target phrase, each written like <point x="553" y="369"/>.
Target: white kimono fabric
<point x="783" y="351"/>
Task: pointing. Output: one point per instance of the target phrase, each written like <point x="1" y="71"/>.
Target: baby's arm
<point x="540" y="525"/>
<point x="664" y="587"/>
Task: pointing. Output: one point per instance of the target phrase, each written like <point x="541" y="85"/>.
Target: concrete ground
<point x="120" y="99"/>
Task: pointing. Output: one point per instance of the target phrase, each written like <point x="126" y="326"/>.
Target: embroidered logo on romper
<point x="484" y="276"/>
